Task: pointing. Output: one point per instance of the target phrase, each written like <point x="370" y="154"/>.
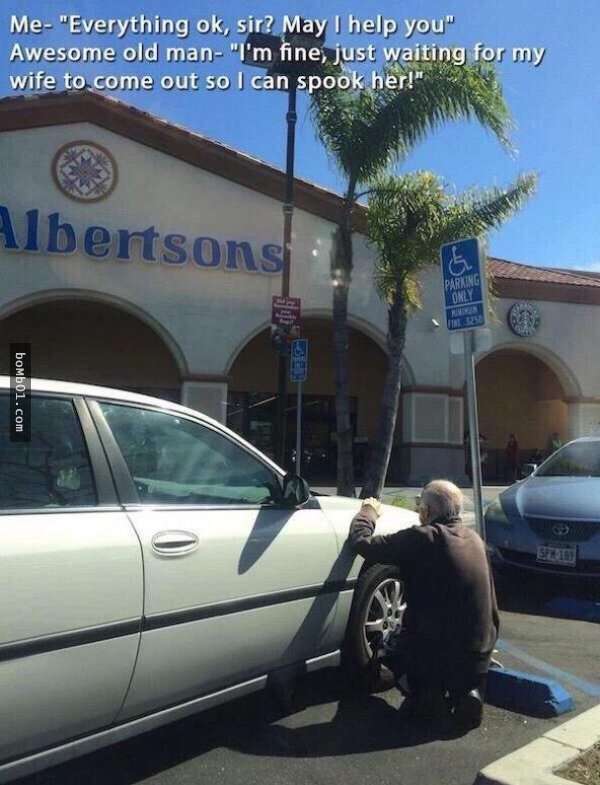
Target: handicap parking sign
<point x="464" y="284"/>
<point x="299" y="360"/>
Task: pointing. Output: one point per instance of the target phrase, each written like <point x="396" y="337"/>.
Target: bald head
<point x="440" y="499"/>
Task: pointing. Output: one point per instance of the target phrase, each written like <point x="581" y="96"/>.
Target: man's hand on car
<point x="374" y="503"/>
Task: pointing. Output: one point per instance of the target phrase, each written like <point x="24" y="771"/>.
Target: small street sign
<point x="299" y="360"/>
<point x="285" y="312"/>
<point x="464" y="284"/>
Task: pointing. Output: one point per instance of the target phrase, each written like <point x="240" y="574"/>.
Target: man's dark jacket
<point x="451" y="619"/>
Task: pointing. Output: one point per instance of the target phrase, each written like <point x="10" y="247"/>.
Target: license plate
<point x="554" y="554"/>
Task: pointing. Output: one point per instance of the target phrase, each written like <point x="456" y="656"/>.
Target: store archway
<point x="252" y="398"/>
<point x="520" y="393"/>
<point x="94" y="342"/>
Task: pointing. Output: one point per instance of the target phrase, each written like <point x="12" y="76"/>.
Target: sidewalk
<point x="537" y="762"/>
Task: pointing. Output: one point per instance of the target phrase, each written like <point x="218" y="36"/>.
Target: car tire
<point x="379" y="580"/>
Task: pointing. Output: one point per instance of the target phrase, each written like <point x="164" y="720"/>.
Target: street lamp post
<point x="288" y="215"/>
<point x="292" y="68"/>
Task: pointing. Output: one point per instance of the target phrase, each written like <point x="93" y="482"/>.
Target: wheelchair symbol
<point x="298" y="352"/>
<point x="458" y="264"/>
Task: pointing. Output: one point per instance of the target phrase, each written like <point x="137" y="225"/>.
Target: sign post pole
<point x="299" y="429"/>
<point x="469" y="340"/>
<point x="298" y="374"/>
<point x="464" y="287"/>
<point x="285" y="322"/>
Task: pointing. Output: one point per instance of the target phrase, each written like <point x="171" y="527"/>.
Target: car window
<point x="174" y="460"/>
<point x="51" y="470"/>
<point x="580" y="459"/>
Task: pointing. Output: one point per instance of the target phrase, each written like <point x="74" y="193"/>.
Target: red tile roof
<point x="500" y="268"/>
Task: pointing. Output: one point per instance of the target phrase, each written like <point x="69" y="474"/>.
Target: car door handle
<point x="174" y="543"/>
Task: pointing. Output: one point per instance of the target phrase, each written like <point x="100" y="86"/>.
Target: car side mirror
<point x="295" y="491"/>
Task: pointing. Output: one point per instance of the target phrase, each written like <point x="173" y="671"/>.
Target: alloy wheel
<point x="384" y="611"/>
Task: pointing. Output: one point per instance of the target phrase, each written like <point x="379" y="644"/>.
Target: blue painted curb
<point x="526" y="693"/>
<point x="572" y="608"/>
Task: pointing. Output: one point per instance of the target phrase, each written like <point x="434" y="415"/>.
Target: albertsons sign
<point x="51" y="234"/>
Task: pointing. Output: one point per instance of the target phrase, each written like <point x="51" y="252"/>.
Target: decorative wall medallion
<point x="85" y="171"/>
<point x="523" y="319"/>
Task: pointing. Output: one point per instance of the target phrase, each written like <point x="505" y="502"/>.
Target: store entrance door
<point x="252" y="415"/>
<point x="319" y="444"/>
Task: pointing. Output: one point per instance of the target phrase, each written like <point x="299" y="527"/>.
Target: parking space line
<point x="588" y="687"/>
<point x="574" y="608"/>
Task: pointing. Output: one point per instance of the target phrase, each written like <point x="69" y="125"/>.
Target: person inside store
<point x="442" y="654"/>
<point x="511" y="453"/>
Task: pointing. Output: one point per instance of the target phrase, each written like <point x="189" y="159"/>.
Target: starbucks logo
<point x="85" y="171"/>
<point x="524" y="319"/>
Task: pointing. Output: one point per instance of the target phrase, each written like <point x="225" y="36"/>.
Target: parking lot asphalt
<point x="563" y="649"/>
<point x="336" y="735"/>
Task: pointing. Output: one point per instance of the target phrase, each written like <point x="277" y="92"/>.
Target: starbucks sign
<point x="524" y="319"/>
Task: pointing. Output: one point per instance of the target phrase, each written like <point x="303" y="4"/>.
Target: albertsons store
<point x="136" y="254"/>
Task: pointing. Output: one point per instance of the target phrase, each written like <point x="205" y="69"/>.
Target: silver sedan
<point x="154" y="564"/>
<point x="550" y="522"/>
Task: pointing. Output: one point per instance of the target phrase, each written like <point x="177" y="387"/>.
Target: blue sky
<point x="556" y="106"/>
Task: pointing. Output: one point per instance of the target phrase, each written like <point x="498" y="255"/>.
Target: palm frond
<point x="341" y="118"/>
<point x="411" y="216"/>
<point x="478" y="211"/>
<point x="447" y="92"/>
<point x="367" y="130"/>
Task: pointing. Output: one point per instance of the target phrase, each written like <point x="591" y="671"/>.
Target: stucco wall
<point x="208" y="313"/>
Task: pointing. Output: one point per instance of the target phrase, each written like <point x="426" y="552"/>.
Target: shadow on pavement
<point x="254" y="726"/>
<point x="362" y="724"/>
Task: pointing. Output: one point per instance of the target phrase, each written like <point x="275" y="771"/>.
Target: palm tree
<point x="409" y="218"/>
<point x="366" y="132"/>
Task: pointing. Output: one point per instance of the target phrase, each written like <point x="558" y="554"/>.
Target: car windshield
<point x="580" y="459"/>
